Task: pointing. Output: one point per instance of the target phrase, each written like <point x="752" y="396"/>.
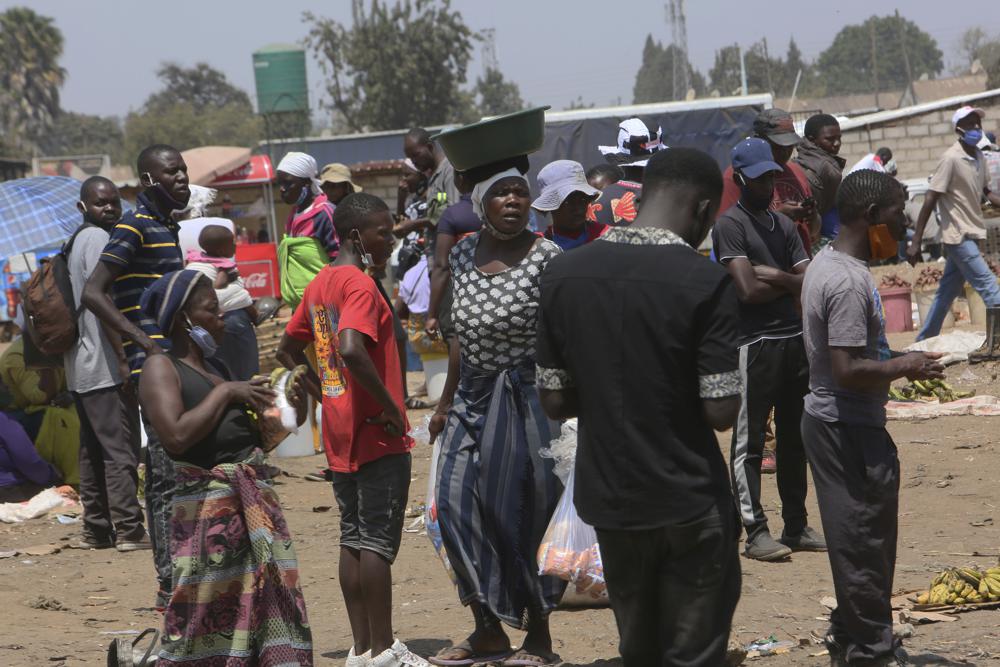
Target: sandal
<point x="471" y="658"/>
<point x="414" y="403"/>
<point x="524" y="658"/>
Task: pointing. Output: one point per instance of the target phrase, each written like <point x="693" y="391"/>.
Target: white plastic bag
<point x="280" y="419"/>
<point x="431" y="514"/>
<point x="569" y="549"/>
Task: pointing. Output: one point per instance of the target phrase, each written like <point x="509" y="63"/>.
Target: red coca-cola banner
<point x="258" y="265"/>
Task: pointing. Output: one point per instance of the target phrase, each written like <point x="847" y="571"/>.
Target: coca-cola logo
<point x="256" y="280"/>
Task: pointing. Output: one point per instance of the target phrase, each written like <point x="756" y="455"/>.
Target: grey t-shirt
<point x="91" y="363"/>
<point x="841" y="308"/>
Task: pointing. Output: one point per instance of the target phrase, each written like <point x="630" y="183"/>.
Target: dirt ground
<point x="950" y="475"/>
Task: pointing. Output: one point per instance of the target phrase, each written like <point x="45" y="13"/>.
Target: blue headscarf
<point x="166" y="297"/>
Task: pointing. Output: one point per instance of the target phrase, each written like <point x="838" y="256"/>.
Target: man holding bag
<point x="649" y="387"/>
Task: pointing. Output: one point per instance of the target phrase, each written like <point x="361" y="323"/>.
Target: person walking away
<point x="957" y="188"/>
<point x="237" y="599"/>
<point x="335" y="181"/>
<point x="668" y="371"/>
<point x="364" y="422"/>
<point x="492" y="428"/>
<point x="763" y="252"/>
<point x="567" y="196"/>
<point x="819" y="159"/>
<point x="619" y="201"/>
<point x="240" y="352"/>
<point x="310" y="241"/>
<point x="854" y="463"/>
<point x="144" y="246"/>
<point x="98" y="376"/>
<point x="792" y="194"/>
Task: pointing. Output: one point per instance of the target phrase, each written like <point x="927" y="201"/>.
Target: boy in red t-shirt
<point x="364" y="423"/>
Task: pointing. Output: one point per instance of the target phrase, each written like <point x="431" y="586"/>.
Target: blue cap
<point x="752" y="157"/>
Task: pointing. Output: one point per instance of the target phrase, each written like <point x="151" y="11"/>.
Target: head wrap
<point x="302" y="165"/>
<point x="166" y="297"/>
<point x="482" y="187"/>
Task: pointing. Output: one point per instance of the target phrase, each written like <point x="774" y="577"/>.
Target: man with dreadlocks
<point x="853" y="459"/>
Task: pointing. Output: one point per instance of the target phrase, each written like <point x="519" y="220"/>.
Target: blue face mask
<point x="972" y="137"/>
<point x="203" y="340"/>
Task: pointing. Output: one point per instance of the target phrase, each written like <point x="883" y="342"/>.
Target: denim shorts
<point x="372" y="504"/>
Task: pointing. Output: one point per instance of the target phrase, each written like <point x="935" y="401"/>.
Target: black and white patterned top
<point x="496" y="314"/>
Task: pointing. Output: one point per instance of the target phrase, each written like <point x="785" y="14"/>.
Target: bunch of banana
<point x="965" y="585"/>
<point x="277" y="374"/>
<point x="928" y="390"/>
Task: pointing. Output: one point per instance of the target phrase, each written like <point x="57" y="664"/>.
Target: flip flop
<point x="472" y="659"/>
<point x="524" y="658"/>
<point x="414" y="403"/>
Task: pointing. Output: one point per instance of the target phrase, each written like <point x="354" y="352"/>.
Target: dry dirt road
<point x="950" y="477"/>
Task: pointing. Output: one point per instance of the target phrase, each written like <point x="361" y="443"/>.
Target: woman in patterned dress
<point x="495" y="493"/>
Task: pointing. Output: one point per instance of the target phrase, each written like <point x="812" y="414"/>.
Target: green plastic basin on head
<point x="494" y="139"/>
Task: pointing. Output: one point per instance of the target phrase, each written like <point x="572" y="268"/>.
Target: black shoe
<point x="807" y="540"/>
<point x="764" y="547"/>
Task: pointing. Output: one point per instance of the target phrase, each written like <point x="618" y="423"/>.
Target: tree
<point x="975" y="45"/>
<point x="496" y="95"/>
<point x="82" y="134"/>
<point x="654" y="82"/>
<point x="846" y="65"/>
<point x="396" y="66"/>
<point x="725" y="73"/>
<point x="30" y="76"/>
<point x="197" y="106"/>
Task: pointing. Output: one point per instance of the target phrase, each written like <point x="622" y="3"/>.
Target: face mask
<point x="972" y="137"/>
<point x="499" y="235"/>
<point x="366" y="257"/>
<point x="880" y="242"/>
<point x="203" y="340"/>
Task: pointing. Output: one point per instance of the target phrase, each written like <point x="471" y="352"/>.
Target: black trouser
<point x="856" y="473"/>
<point x="160" y="484"/>
<point x="239" y="351"/>
<point x="109" y="458"/>
<point x="775" y="375"/>
<point x="674" y="589"/>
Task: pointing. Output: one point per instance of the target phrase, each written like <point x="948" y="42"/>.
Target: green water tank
<point x="280" y="76"/>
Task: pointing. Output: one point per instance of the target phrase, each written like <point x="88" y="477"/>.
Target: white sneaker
<point x="363" y="660"/>
<point x="398" y="656"/>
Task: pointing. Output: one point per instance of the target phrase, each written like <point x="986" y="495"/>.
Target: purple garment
<point x="19" y="461"/>
<point x="459" y="219"/>
<point x="415" y="288"/>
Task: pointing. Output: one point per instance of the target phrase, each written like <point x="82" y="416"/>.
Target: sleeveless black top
<point x="233" y="438"/>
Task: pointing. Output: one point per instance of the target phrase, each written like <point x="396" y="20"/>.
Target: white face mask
<point x="366" y="257"/>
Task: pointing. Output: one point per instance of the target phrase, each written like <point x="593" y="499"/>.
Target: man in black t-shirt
<point x="649" y="366"/>
<point x="764" y="254"/>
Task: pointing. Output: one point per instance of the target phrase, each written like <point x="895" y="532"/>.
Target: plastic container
<point x="898" y="311"/>
<point x="977" y="307"/>
<point x="301" y="443"/>
<point x="924" y="299"/>
<point x="435" y="373"/>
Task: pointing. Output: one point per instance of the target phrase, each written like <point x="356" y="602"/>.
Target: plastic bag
<point x="431" y="515"/>
<point x="563" y="450"/>
<point x="279" y="420"/>
<point x="569" y="549"/>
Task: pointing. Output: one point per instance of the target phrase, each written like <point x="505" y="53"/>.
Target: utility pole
<point x="679" y="59"/>
<point x="743" y="72"/>
<point x="489" y="51"/>
<point x="767" y="67"/>
<point x="902" y="43"/>
<point x="871" y="33"/>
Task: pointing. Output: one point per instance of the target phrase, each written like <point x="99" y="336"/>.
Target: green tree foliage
<point x="82" y="134"/>
<point x="846" y="65"/>
<point x="197" y="106"/>
<point x="654" y="82"/>
<point x="496" y="95"/>
<point x="975" y="45"/>
<point x="30" y="76"/>
<point x="725" y="73"/>
<point x="397" y="65"/>
<point x="765" y="73"/>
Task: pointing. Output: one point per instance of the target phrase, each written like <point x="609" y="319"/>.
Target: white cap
<point x="965" y="111"/>
<point x="559" y="180"/>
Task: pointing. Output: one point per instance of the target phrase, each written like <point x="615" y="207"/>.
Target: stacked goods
<point x="893" y="280"/>
<point x="960" y="586"/>
<point x="928" y="390"/>
<point x="929" y="277"/>
<point x="268" y="336"/>
<point x="582" y="568"/>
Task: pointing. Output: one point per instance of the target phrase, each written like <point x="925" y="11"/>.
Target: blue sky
<point x="555" y="50"/>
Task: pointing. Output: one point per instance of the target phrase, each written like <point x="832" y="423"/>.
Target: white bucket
<point x="435" y="373"/>
<point x="924" y="299"/>
<point x="301" y="443"/>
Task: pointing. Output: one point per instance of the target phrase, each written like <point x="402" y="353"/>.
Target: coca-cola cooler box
<point x="258" y="266"/>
